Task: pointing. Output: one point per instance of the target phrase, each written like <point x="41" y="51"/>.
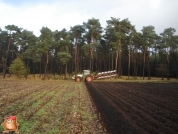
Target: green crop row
<point x="51" y="107"/>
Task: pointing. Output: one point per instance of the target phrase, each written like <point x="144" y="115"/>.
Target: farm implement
<point x="88" y="77"/>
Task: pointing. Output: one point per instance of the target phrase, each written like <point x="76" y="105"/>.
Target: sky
<point x="58" y="14"/>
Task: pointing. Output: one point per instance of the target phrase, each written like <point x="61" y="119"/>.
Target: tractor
<point x="85" y="76"/>
<point x="88" y="77"/>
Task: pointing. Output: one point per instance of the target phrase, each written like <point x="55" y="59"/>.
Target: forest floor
<point x="136" y="108"/>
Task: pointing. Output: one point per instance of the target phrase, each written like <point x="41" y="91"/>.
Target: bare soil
<point x="136" y="108"/>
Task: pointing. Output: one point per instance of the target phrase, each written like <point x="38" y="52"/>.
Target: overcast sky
<point x="58" y="14"/>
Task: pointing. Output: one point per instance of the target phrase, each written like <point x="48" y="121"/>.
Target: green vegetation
<point x="18" y="68"/>
<point x="118" y="46"/>
<point x="47" y="107"/>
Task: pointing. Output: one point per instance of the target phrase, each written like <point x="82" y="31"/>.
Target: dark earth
<point x="136" y="108"/>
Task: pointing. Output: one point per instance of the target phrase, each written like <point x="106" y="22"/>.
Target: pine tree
<point x="18" y="68"/>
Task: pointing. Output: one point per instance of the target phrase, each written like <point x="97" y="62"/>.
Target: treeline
<point x="89" y="46"/>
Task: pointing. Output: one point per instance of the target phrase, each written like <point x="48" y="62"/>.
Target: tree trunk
<point x="90" y="58"/>
<point x="78" y="60"/>
<point x="176" y="66"/>
<point x="129" y="64"/>
<point x="144" y="54"/>
<point x="65" y="72"/>
<point x="96" y="64"/>
<point x="116" y="59"/>
<point x="168" y="67"/>
<point x="155" y="58"/>
<point x="109" y="66"/>
<point x="120" y="62"/>
<point x="149" y="78"/>
<point x="51" y="70"/>
<point x="112" y="61"/>
<point x="92" y="65"/>
<point x="76" y="56"/>
<point x="34" y="70"/>
<point x="5" y="64"/>
<point x="46" y="65"/>
<point x="40" y="69"/>
<point x="140" y="66"/>
<point x="136" y="65"/>
<point x="119" y="52"/>
<point x="27" y="69"/>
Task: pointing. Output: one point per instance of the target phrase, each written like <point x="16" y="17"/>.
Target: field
<point x="49" y="107"/>
<point x="68" y="107"/>
<point x="130" y="107"/>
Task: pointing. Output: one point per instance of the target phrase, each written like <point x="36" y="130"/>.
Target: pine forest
<point x="89" y="46"/>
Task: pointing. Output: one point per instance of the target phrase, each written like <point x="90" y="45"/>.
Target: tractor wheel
<point x="89" y="78"/>
<point x="78" y="79"/>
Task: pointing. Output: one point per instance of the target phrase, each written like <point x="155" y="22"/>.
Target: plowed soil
<point x="141" y="108"/>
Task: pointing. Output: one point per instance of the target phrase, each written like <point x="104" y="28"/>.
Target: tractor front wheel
<point x="89" y="78"/>
<point x="78" y="79"/>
